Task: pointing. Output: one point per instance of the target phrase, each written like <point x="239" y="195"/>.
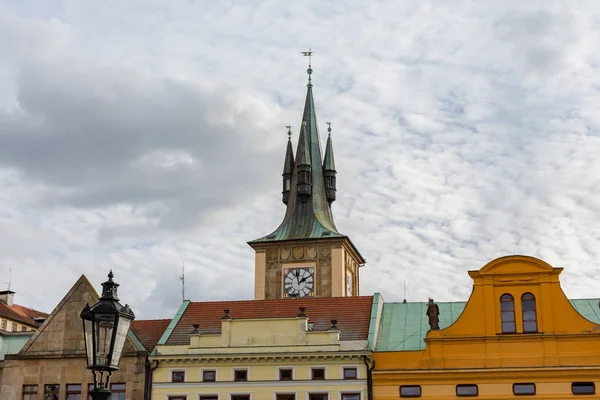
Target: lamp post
<point x="105" y="327"/>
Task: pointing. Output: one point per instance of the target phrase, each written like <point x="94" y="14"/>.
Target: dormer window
<point x="529" y="316"/>
<point x="507" y="313"/>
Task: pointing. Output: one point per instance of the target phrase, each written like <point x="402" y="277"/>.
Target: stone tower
<point x="306" y="255"/>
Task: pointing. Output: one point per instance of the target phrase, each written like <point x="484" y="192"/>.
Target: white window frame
<point x="285" y="392"/>
<point x="360" y="392"/>
<point x="249" y="394"/>
<point x="286" y="367"/>
<point x="185" y="375"/>
<point x="310" y="374"/>
<point x="309" y="392"/>
<point x="349" y="366"/>
<point x="177" y="395"/>
<point x="209" y="369"/>
<point x="217" y="395"/>
<point x="233" y="369"/>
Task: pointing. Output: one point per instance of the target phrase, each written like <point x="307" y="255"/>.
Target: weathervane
<point x="309" y="55"/>
<point x="328" y="127"/>
<point x="289" y="132"/>
<point x="309" y="70"/>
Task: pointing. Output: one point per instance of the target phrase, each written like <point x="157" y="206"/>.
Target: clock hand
<point x="297" y="273"/>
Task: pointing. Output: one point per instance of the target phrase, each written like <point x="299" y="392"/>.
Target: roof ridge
<point x="286" y="299"/>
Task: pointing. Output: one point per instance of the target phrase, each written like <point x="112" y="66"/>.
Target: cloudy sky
<point x="142" y="134"/>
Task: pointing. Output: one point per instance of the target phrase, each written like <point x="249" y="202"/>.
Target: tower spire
<point x="329" y="168"/>
<point x="288" y="167"/>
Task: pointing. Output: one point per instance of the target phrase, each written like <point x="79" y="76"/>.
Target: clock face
<point x="348" y="284"/>
<point x="299" y="282"/>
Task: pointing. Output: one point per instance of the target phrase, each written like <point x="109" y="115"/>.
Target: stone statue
<point x="433" y="312"/>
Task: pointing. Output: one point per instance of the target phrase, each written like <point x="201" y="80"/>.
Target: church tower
<point x="306" y="255"/>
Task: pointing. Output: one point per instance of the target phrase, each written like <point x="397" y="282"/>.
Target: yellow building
<point x="518" y="334"/>
<point x="306" y="349"/>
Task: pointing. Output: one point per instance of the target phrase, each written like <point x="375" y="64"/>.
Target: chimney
<point x="6" y="296"/>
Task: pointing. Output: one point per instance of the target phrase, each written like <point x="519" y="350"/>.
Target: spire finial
<point x="289" y="132"/>
<point x="309" y="70"/>
<point x="328" y="127"/>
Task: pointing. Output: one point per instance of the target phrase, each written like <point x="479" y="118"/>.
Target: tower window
<point x="529" y="317"/>
<point x="507" y="312"/>
<point x="350" y="373"/>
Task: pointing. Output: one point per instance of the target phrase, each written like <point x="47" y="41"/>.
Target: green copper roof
<point x="329" y="163"/>
<point x="288" y="164"/>
<point x="311" y="218"/>
<point x="403" y="326"/>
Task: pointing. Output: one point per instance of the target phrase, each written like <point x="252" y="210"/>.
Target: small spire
<point x="309" y="70"/>
<point x="288" y="168"/>
<point x="329" y="169"/>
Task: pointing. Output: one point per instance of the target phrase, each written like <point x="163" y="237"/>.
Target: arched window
<point x="529" y="317"/>
<point x="507" y="312"/>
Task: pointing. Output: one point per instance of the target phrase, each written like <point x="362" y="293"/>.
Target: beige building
<point x="17" y="318"/>
<point x="52" y="366"/>
<point x="306" y="349"/>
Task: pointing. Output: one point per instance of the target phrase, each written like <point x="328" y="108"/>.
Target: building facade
<point x="308" y="349"/>
<point x="518" y="334"/>
<point x="52" y="366"/>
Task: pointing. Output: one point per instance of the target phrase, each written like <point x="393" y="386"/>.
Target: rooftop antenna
<point x="404" y="292"/>
<point x="182" y="278"/>
<point x="9" y="278"/>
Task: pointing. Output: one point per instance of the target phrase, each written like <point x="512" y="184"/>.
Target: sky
<point x="137" y="136"/>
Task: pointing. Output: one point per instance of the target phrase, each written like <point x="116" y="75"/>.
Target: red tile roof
<point x="24" y="315"/>
<point x="149" y="331"/>
<point x="353" y="315"/>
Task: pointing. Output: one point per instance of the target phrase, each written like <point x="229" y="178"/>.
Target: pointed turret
<point x="329" y="168"/>
<point x="288" y="168"/>
<point x="304" y="165"/>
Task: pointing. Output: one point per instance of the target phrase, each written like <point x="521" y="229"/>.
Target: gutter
<point x="148" y="378"/>
<point x="370" y="364"/>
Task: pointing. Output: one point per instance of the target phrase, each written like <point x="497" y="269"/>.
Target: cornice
<point x="484" y="374"/>
<point x="261" y="357"/>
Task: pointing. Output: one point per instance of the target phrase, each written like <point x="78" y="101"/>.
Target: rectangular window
<point x="23" y="328"/>
<point x="51" y="392"/>
<point x="350" y="396"/>
<point x="286" y="396"/>
<point x="4" y="324"/>
<point x="90" y="388"/>
<point x="318" y="374"/>
<point x="583" y="388"/>
<point x="209" y="376"/>
<point x="14" y="327"/>
<point x="467" y="390"/>
<point x="240" y="397"/>
<point x="209" y="397"/>
<point x="118" y="391"/>
<point x="317" y="396"/>
<point x="286" y="374"/>
<point x="177" y="397"/>
<point x="350" y="373"/>
<point x="177" y="376"/>
<point x="523" y="389"/>
<point x="410" y="391"/>
<point x="240" y="375"/>
<point x="74" y="392"/>
<point x="29" y="391"/>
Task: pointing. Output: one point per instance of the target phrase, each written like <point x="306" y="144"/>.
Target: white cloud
<point x="137" y="136"/>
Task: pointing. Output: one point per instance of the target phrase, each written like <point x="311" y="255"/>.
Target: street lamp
<point x="105" y="327"/>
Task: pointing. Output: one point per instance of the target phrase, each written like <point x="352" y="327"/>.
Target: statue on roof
<point x="433" y="312"/>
